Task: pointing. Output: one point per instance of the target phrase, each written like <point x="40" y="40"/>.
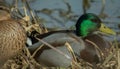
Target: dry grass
<point x="23" y="60"/>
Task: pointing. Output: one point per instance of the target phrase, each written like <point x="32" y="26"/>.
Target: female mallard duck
<point x="86" y="25"/>
<point x="12" y="36"/>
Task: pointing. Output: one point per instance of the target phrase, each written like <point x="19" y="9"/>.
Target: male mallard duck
<point x="86" y="25"/>
<point x="12" y="36"/>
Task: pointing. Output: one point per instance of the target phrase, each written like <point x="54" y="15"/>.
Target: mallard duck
<point x="12" y="36"/>
<point x="86" y="27"/>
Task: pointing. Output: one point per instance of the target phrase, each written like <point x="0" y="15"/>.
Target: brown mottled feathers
<point x="12" y="37"/>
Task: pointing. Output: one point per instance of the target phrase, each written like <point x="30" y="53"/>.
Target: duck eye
<point x="94" y="20"/>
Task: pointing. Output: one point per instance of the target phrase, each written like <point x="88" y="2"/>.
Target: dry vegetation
<point x="25" y="60"/>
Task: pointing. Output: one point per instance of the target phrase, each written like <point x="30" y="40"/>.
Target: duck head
<point x="89" y="23"/>
<point x="86" y="25"/>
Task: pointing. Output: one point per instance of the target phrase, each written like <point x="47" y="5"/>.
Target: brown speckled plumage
<point x="12" y="37"/>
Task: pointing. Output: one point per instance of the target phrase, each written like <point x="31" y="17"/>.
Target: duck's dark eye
<point x="95" y="20"/>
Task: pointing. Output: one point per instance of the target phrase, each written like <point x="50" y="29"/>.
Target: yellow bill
<point x="106" y="30"/>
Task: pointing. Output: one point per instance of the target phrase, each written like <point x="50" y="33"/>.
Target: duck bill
<point x="106" y="30"/>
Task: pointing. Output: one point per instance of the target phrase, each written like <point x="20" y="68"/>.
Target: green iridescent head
<point x="88" y="23"/>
